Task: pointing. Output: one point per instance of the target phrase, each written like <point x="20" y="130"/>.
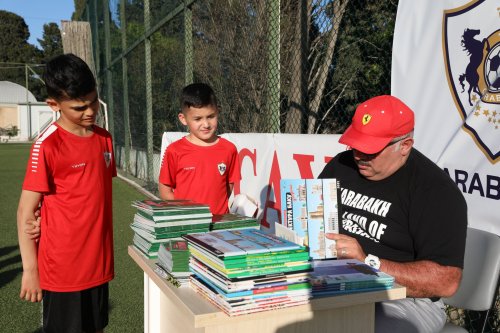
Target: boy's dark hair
<point x="68" y="76"/>
<point x="198" y="95"/>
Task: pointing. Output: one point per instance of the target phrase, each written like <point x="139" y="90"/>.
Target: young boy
<point x="201" y="166"/>
<point x="69" y="173"/>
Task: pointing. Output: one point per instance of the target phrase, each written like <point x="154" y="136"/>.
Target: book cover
<point x="174" y="245"/>
<point x="331" y="203"/>
<point x="157" y="206"/>
<point x="240" y="242"/>
<point x="348" y="274"/>
<point x="254" y="261"/>
<point x="294" y="208"/>
<point x="315" y="217"/>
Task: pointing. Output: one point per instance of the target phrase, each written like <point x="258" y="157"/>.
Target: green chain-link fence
<point x="276" y="66"/>
<point x="297" y="66"/>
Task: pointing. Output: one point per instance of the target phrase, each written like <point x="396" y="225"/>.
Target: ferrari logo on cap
<point x="366" y="119"/>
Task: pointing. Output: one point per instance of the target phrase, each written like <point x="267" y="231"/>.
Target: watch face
<point x="372" y="263"/>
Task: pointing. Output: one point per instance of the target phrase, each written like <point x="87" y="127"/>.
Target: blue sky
<point x="36" y="13"/>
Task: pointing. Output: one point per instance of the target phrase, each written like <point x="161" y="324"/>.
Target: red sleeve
<point x="37" y="169"/>
<point x="234" y="172"/>
<point x="167" y="169"/>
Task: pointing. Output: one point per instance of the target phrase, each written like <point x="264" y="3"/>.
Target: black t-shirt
<point x="417" y="213"/>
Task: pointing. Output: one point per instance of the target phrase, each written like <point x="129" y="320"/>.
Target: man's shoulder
<point x="429" y="174"/>
<point x="425" y="165"/>
<point x="340" y="164"/>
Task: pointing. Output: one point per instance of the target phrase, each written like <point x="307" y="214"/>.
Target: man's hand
<point x="347" y="247"/>
<point x="30" y="287"/>
<point x="422" y="278"/>
<point x="32" y="227"/>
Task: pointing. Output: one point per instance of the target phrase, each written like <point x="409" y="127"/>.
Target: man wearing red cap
<point x="400" y="213"/>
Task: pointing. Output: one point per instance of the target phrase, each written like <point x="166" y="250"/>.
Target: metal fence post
<point x="188" y="44"/>
<point x="126" y="111"/>
<point x="273" y="76"/>
<point x="109" y="74"/>
<point x="95" y="38"/>
<point x="149" y="95"/>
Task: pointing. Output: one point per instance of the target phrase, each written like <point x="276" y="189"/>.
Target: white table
<point x="182" y="310"/>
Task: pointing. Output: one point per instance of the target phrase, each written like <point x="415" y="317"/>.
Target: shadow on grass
<point x="9" y="261"/>
<point x="7" y="249"/>
<point x="9" y="276"/>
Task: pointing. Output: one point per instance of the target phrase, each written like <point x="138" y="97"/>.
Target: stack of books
<point x="246" y="270"/>
<point x="173" y="260"/>
<point x="331" y="277"/>
<point x="157" y="221"/>
<point x="233" y="221"/>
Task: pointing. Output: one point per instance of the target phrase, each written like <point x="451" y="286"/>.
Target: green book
<point x="158" y="206"/>
<point x="254" y="260"/>
<point x="176" y="216"/>
<point x="152" y="236"/>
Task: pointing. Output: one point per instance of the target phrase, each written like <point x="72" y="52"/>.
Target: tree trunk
<point x="317" y="84"/>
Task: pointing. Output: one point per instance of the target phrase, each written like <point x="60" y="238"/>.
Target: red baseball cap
<point x="376" y="122"/>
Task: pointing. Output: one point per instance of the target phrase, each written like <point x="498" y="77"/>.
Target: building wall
<point x="9" y="117"/>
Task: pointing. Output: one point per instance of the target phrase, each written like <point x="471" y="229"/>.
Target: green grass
<point x="126" y="290"/>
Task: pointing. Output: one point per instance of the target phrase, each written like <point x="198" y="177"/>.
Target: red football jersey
<point x="201" y="173"/>
<point x="74" y="174"/>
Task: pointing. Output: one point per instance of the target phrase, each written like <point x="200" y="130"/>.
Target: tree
<point x="51" y="41"/>
<point x="361" y="66"/>
<point x="230" y="53"/>
<point x="16" y="51"/>
<point x="80" y="6"/>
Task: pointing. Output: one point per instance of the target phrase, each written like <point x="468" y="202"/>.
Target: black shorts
<point x="78" y="311"/>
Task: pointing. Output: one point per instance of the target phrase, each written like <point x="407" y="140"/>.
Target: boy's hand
<point x="30" y="287"/>
<point x="32" y="227"/>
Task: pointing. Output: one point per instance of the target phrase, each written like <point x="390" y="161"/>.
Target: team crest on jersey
<point x="222" y="168"/>
<point x="107" y="158"/>
<point x="471" y="44"/>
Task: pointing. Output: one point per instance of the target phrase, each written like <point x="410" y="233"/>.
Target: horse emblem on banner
<point x="471" y="45"/>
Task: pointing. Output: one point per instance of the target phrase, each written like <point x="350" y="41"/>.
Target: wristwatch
<point x="372" y="261"/>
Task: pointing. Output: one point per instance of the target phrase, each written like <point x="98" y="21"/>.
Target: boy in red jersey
<point x="70" y="169"/>
<point x="201" y="166"/>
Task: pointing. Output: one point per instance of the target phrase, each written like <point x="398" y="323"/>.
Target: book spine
<point x="294" y="207"/>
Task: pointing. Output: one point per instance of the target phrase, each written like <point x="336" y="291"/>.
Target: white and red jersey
<point x="201" y="173"/>
<point x="74" y="174"/>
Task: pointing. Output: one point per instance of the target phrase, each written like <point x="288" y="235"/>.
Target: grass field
<point x="126" y="290"/>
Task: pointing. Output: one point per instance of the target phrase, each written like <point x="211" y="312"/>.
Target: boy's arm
<point x="166" y="192"/>
<point x="30" y="284"/>
<point x="230" y="189"/>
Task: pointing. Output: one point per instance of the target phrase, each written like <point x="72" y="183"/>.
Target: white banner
<point x="267" y="158"/>
<point x="446" y="67"/>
